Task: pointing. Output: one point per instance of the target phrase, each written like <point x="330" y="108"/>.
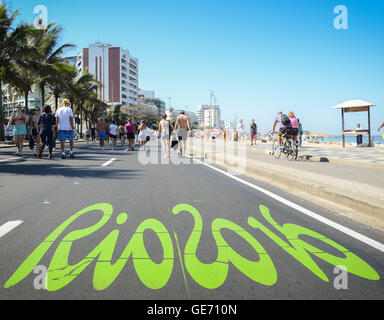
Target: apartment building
<point x="148" y="97"/>
<point x="209" y="116"/>
<point x="115" y="68"/>
<point x="11" y="99"/>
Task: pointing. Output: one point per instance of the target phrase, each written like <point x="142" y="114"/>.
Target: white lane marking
<point x="9" y="226"/>
<point x="108" y="163"/>
<point x="373" y="243"/>
<point x="9" y="159"/>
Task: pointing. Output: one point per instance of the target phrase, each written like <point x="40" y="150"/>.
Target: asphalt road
<point x="169" y="231"/>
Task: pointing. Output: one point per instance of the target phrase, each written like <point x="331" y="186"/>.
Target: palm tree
<point x="12" y="44"/>
<point x="50" y="55"/>
<point x="61" y="80"/>
<point x="80" y="91"/>
<point x="94" y="108"/>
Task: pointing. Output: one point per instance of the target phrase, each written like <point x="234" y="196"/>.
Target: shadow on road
<point x="62" y="170"/>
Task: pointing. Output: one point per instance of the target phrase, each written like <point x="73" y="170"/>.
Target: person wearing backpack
<point x="285" y="126"/>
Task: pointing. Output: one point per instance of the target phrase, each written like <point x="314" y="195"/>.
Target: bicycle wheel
<point x="288" y="150"/>
<point x="275" y="151"/>
<point x="293" y="151"/>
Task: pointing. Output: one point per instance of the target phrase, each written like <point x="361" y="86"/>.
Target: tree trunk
<point x="42" y="88"/>
<point x="81" y="120"/>
<point x="56" y="102"/>
<point x="2" y="119"/>
<point x="26" y="95"/>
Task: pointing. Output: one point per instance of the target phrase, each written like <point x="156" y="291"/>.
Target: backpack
<point x="285" y="120"/>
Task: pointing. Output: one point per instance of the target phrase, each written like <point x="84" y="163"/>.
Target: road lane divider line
<point x="9" y="226"/>
<point x="373" y="243"/>
<point x="10" y="159"/>
<point x="108" y="163"/>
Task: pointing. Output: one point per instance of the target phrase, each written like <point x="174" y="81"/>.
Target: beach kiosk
<point x="355" y="106"/>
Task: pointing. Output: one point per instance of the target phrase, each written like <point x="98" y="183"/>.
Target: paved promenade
<point x="348" y="181"/>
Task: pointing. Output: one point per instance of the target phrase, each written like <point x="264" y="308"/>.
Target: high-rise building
<point x="115" y="68"/>
<point x="209" y="116"/>
<point x="148" y="97"/>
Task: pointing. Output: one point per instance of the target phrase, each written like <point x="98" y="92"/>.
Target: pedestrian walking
<point x="122" y="135"/>
<point x="93" y="133"/>
<point x="65" y="124"/>
<point x="142" y="134"/>
<point x="241" y="133"/>
<point x="174" y="141"/>
<point x="19" y="120"/>
<point x="164" y="135"/>
<point x="102" y="130"/>
<point x="47" y="125"/>
<point x="253" y="133"/>
<point x="300" y="137"/>
<point x="35" y="130"/>
<point x="183" y="129"/>
<point x="107" y="140"/>
<point x="130" y="130"/>
<point x="87" y="135"/>
<point x="113" y="134"/>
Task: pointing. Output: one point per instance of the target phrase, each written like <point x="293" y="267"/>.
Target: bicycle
<point x="289" y="148"/>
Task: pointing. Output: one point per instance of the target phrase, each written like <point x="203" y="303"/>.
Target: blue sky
<point x="258" y="56"/>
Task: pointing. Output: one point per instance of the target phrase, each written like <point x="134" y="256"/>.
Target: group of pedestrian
<point x="174" y="134"/>
<point x="129" y="131"/>
<point x="44" y="129"/>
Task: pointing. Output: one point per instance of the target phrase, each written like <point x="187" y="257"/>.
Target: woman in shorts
<point x="19" y="120"/>
<point x="113" y="134"/>
<point x="164" y="134"/>
<point x="142" y="134"/>
<point x="295" y="126"/>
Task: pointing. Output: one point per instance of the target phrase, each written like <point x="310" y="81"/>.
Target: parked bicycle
<point x="288" y="147"/>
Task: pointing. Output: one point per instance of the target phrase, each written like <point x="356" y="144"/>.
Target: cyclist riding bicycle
<point x="285" y="126"/>
<point x="295" y="126"/>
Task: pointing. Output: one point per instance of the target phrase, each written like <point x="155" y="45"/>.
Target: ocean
<point x="352" y="139"/>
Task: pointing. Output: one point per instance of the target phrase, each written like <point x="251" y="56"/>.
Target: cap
<point x="66" y="101"/>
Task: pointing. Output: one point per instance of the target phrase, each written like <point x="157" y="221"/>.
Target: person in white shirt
<point x="241" y="131"/>
<point x="64" y="121"/>
<point x="113" y="134"/>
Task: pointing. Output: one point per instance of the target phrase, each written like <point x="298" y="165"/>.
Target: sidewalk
<point x="349" y="181"/>
<point x="371" y="157"/>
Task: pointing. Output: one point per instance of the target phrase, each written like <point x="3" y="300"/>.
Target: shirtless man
<point x="183" y="127"/>
<point x="102" y="129"/>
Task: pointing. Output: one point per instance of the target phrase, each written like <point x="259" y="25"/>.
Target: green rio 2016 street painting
<point x="156" y="275"/>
